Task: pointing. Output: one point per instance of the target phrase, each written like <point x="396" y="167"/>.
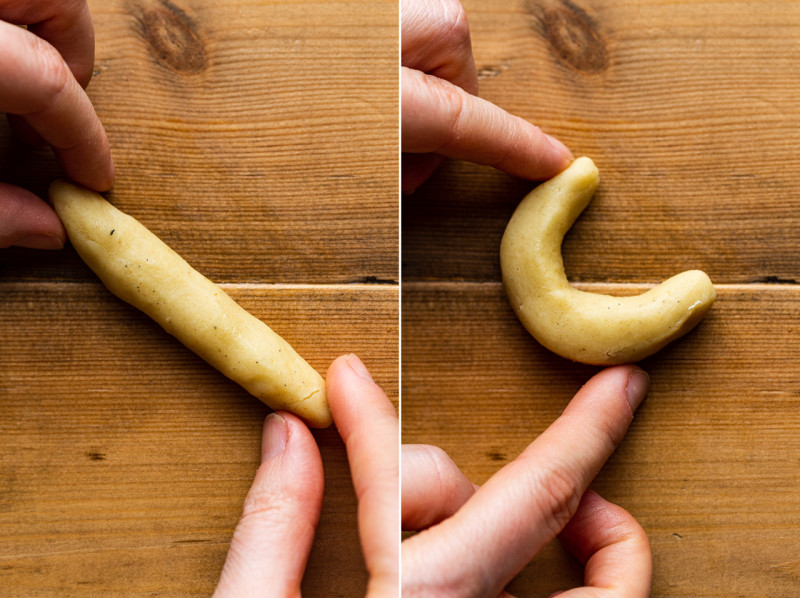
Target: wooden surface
<point x="258" y="139"/>
<point x="689" y="110"/>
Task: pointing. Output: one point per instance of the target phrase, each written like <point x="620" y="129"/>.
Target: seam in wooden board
<point x="393" y="288"/>
<point x="308" y="286"/>
<point x="593" y="286"/>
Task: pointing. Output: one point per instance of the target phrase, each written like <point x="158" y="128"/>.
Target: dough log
<point x="140" y="269"/>
<point x="587" y="327"/>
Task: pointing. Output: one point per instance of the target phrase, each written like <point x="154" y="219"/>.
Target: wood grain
<point x="262" y="148"/>
<point x="259" y="140"/>
<point x="691" y="118"/>
<point x="125" y="458"/>
<point x="708" y="467"/>
<point x="689" y="110"/>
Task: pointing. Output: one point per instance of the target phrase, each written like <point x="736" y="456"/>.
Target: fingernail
<point x="358" y="367"/>
<point x="275" y="434"/>
<point x="636" y="389"/>
<point x="40" y="242"/>
<point x="559" y="147"/>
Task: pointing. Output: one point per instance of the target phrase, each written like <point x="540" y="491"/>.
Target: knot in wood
<point x="573" y="37"/>
<point x="172" y="37"/>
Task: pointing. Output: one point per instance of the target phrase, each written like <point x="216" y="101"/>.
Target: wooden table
<point x="690" y="110"/>
<point x="259" y="140"/>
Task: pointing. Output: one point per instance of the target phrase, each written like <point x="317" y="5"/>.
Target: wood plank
<point x="689" y="111"/>
<point x="708" y="467"/>
<point x="125" y="459"/>
<point x="258" y="139"/>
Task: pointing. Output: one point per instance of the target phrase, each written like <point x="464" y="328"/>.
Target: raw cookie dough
<point x="139" y="268"/>
<point x="587" y="327"/>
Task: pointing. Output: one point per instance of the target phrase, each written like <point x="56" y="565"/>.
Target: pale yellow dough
<point x="587" y="327"/>
<point x="139" y="268"/>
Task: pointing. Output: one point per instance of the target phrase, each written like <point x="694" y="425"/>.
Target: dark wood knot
<point x="171" y="36"/>
<point x="573" y="36"/>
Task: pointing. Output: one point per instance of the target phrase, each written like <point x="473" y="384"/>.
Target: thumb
<point x="613" y="547"/>
<point x="27" y="221"/>
<point x="270" y="546"/>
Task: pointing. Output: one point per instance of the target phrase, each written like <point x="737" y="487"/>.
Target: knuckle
<point x="454" y="23"/>
<point x="266" y="505"/>
<point x="444" y="470"/>
<point x="265" y="500"/>
<point x="265" y="510"/>
<point x="560" y="491"/>
<point x="76" y="5"/>
<point x="53" y="74"/>
<point x="440" y="461"/>
<point x="452" y="116"/>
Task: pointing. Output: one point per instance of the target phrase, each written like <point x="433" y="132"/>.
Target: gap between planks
<point x="392" y="287"/>
<point x="596" y="286"/>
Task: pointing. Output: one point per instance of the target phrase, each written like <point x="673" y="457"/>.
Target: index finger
<point x="524" y="505"/>
<point x="67" y="25"/>
<point x="439" y="117"/>
<point x="43" y="90"/>
<point x="368" y="425"/>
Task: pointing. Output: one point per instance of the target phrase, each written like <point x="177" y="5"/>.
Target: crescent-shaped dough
<point x="142" y="270"/>
<point x="587" y="327"/>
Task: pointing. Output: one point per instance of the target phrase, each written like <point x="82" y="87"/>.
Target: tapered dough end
<point x="69" y="200"/>
<point x="581" y="178"/>
<point x="583" y="170"/>
<point x="142" y="270"/>
<point x="314" y="410"/>
<point x="700" y="295"/>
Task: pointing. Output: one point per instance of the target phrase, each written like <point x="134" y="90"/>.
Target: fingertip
<point x="89" y="165"/>
<point x="336" y="364"/>
<point x="353" y="395"/>
<point x="636" y="388"/>
<point x="358" y="367"/>
<point x="273" y="437"/>
<point x="561" y="156"/>
<point x="285" y="436"/>
<point x="347" y="375"/>
<point x="109" y="175"/>
<point x="291" y="463"/>
<point x="346" y="360"/>
<point x="28" y="221"/>
<point x="271" y="543"/>
<point x="533" y="154"/>
<point x="627" y="381"/>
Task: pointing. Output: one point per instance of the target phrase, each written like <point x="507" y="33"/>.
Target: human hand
<point x="441" y="113"/>
<point x="271" y="544"/>
<point x="473" y="541"/>
<point x="43" y="71"/>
